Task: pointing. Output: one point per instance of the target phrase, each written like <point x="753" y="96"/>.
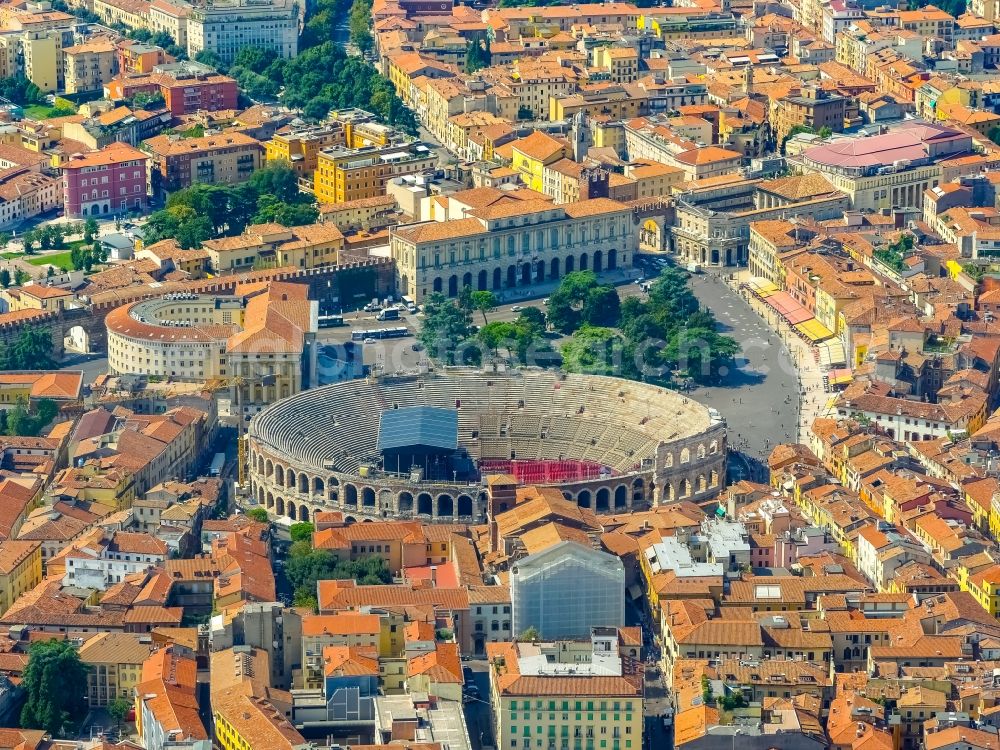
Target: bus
<point x="218" y="464"/>
<point x="381" y="333"/>
<point x="331" y="321"/>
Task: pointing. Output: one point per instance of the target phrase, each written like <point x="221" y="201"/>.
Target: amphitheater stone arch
<point x="465" y="506"/>
<point x="367" y="497"/>
<point x="685" y="455"/>
<point x="351" y="495"/>
<point x="602" y="499"/>
<point x="638" y="491"/>
<point x="445" y="505"/>
<point x="405" y="502"/>
<point x="621" y="497"/>
<point x="583" y="498"/>
<point x="280" y="506"/>
<point x="425" y="504"/>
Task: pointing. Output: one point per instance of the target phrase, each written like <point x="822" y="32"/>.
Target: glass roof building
<point x="566" y="590"/>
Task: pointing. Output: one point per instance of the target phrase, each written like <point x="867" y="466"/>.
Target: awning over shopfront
<point x="761" y="287"/>
<point x="831" y="353"/>
<point x="840" y="376"/>
<point x="814" y="330"/>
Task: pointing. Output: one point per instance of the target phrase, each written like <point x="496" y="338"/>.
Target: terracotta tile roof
<point x="115" y="153"/>
<point x="442" y="665"/>
<point x="115" y="648"/>
<point x="342" y="595"/>
<point x="540" y="146"/>
<point x="342" y="623"/>
<point x="13" y="553"/>
<point x="342" y="661"/>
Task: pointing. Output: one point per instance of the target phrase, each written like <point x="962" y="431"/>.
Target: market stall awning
<point x="798" y="316"/>
<point x="839" y="376"/>
<point x="831" y="353"/>
<point x="761" y="287"/>
<point x="788" y="307"/>
<point x="782" y="302"/>
<point x="814" y="330"/>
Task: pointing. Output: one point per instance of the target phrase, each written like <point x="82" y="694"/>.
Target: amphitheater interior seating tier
<point x="524" y="414"/>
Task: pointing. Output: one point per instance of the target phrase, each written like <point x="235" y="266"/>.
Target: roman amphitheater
<point x="422" y="445"/>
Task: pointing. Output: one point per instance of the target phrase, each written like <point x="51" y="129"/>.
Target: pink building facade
<point x="110" y="182"/>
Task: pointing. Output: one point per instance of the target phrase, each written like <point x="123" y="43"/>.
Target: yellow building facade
<point x="20" y="570"/>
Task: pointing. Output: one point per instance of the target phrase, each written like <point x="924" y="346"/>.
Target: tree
<point x="597" y="351"/>
<point x="484" y="302"/>
<point x="32" y="350"/>
<point x="28" y="240"/>
<point x="118" y="709"/>
<point x="148" y="101"/>
<point x="301" y="532"/>
<point x="4" y="278"/>
<point x="601" y="306"/>
<point x="21" y="91"/>
<point x="317" y="109"/>
<point x="55" y="685"/>
<point x="255" y="59"/>
<point x="22" y="423"/>
<point x="533" y="319"/>
<point x="496" y="334"/>
<point x="277" y="179"/>
<point x="90" y="230"/>
<point x="581" y="300"/>
<point x="359" y="24"/>
<point x="477" y="55"/>
<point x="258" y="514"/>
<point x="794" y="132"/>
<point x="529" y="635"/>
<point x="446" y="330"/>
<point x="21" y="277"/>
<point x="305" y="566"/>
<point x="208" y="57"/>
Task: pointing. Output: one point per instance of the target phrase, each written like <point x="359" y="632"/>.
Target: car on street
<point x="469" y="675"/>
<point x="516" y="308"/>
<point x="368" y="340"/>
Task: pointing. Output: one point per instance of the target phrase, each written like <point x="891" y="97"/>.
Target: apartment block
<point x="186" y="87"/>
<point x="88" y="66"/>
<point x="570" y="695"/>
<point x="301" y="147"/>
<point x="348" y="174"/>
<point x="223" y="159"/>
<point x="112" y="180"/>
<point x="227" y="26"/>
